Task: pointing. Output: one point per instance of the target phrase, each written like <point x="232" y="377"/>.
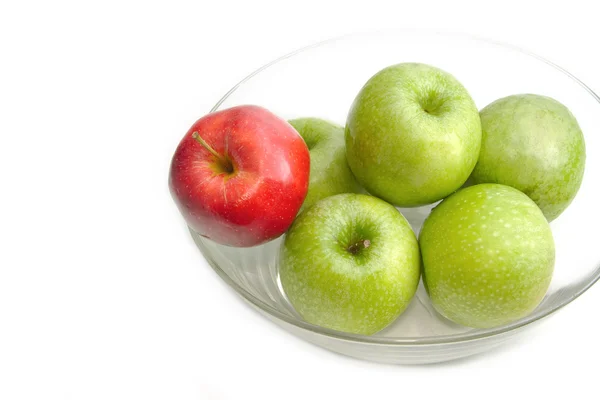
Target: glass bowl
<point x="321" y="81"/>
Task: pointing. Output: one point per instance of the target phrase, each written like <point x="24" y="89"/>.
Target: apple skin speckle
<point x="359" y="292"/>
<point x="500" y="279"/>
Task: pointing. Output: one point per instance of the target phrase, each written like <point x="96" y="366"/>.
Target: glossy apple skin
<point x="413" y="135"/>
<point x="259" y="200"/>
<point x="532" y="143"/>
<point x="488" y="256"/>
<point x="360" y="291"/>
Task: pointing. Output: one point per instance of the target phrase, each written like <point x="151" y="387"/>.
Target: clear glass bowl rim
<point x="407" y="341"/>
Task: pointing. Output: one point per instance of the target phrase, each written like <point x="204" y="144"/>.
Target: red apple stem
<point x="212" y="151"/>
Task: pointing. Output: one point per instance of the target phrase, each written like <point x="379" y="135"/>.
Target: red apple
<point x="240" y="175"/>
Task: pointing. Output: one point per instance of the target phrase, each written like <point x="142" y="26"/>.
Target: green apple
<point x="488" y="255"/>
<point x="351" y="263"/>
<point x="532" y="143"/>
<point x="412" y="135"/>
<point x="329" y="171"/>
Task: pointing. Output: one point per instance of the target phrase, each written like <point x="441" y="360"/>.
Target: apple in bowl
<point x="329" y="171"/>
<point x="350" y="263"/>
<point x="488" y="255"/>
<point x="532" y="143"/>
<point x="239" y="176"/>
<point x="413" y="135"/>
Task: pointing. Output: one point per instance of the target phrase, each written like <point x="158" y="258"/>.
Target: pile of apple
<point x="350" y="261"/>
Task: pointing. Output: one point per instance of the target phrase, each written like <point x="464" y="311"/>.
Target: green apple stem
<point x="358" y="246"/>
<point x="212" y="151"/>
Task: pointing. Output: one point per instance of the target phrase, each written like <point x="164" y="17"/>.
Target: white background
<point x="102" y="292"/>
